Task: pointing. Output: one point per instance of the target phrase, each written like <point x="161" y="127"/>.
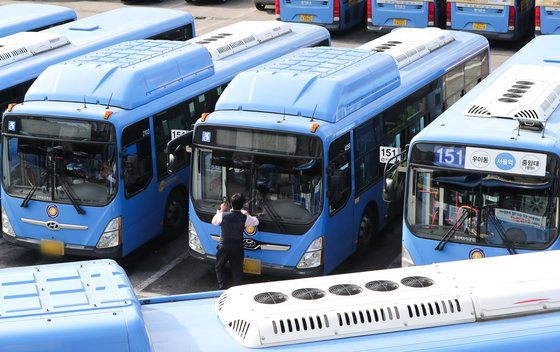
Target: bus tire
<point x="366" y="233"/>
<point x="260" y="6"/>
<point x="175" y="216"/>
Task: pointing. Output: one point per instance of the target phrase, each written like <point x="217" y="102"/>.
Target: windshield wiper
<point x="501" y="232"/>
<point x="467" y="214"/>
<point x="44" y="177"/>
<point x="73" y="198"/>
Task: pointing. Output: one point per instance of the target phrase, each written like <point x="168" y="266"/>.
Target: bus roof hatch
<point x="125" y="75"/>
<point x="237" y="37"/>
<point x="527" y="93"/>
<point x="19" y="46"/>
<point x="407" y="45"/>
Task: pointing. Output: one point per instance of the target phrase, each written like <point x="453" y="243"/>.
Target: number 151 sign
<point x="386" y="153"/>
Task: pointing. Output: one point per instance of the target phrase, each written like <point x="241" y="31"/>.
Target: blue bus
<point x="300" y="138"/>
<point x="385" y="15"/>
<point x="15" y="18"/>
<point x="85" y="163"/>
<point x="335" y="15"/>
<point x="495" y="19"/>
<point x="482" y="179"/>
<point x="23" y="56"/>
<point x="547" y="17"/>
<point x="493" y="304"/>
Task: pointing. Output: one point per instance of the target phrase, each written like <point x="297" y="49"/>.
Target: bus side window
<point x="339" y="173"/>
<point x="454" y="85"/>
<point x="164" y="123"/>
<point x="475" y="70"/>
<point x="137" y="159"/>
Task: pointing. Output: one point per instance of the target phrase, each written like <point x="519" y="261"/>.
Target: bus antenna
<point x="314" y="112"/>
<point x="109" y="102"/>
<point x="85" y="102"/>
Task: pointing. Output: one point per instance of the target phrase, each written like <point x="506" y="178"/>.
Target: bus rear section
<point x="547" y="17"/>
<point x="15" y="18"/>
<point x="384" y="15"/>
<point x="334" y="15"/>
<point x="495" y="19"/>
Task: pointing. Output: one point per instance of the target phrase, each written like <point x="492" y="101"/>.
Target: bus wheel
<point x="366" y="233"/>
<point x="175" y="220"/>
<point x="260" y="6"/>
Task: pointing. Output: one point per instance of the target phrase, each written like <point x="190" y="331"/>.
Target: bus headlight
<point x="6" y="225"/>
<point x="313" y="256"/>
<point x="111" y="237"/>
<point x="406" y="258"/>
<point x="194" y="241"/>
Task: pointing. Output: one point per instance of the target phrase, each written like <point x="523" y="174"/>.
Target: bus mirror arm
<point x="388" y="192"/>
<point x="179" y="152"/>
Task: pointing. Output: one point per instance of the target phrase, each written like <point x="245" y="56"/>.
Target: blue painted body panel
<point x="456" y="128"/>
<point x="244" y="103"/>
<point x="416" y="15"/>
<point x="104" y="29"/>
<point x="351" y="12"/>
<point x="140" y="222"/>
<point x="550" y="20"/>
<point x="15" y="18"/>
<point x="61" y="306"/>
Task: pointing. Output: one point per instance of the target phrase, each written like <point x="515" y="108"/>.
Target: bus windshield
<point x="59" y="160"/>
<point x="284" y="191"/>
<point x="492" y="209"/>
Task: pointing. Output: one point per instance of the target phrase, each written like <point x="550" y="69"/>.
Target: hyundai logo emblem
<point x="251" y="244"/>
<point x="53" y="226"/>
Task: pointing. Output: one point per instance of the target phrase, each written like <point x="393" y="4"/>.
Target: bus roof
<point x="321" y="82"/>
<point x="326" y="83"/>
<point x="16" y="18"/>
<point x="92" y="33"/>
<point x="112" y="76"/>
<point x="126" y="75"/>
<point x="496" y="113"/>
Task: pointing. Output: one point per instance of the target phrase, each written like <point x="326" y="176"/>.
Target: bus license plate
<point x="479" y="26"/>
<point x="251" y="266"/>
<point x="52" y="247"/>
<point x="399" y="22"/>
<point x="306" y="18"/>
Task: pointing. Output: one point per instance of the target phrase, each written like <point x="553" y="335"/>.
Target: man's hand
<point x="244" y="212"/>
<point x="223" y="207"/>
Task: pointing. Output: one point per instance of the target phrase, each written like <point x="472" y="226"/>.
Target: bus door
<point x="405" y="13"/>
<point x="493" y="16"/>
<point x="138" y="176"/>
<point x="547" y="17"/>
<point x="341" y="211"/>
<point x="311" y="11"/>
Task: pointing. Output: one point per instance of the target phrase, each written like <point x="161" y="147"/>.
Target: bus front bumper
<point x="69" y="248"/>
<point x="267" y="268"/>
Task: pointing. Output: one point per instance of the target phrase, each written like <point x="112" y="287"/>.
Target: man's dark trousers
<point x="234" y="254"/>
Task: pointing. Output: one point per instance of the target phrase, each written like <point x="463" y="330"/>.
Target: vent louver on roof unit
<point x="527" y="93"/>
<point x="407" y="45"/>
<point x="19" y="46"/>
<point x="240" y="36"/>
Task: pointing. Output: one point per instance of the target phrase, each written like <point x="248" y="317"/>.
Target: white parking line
<point x="140" y="287"/>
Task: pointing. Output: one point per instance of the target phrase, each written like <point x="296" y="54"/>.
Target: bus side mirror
<point x="388" y="190"/>
<point x="179" y="152"/>
<point x="131" y="168"/>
